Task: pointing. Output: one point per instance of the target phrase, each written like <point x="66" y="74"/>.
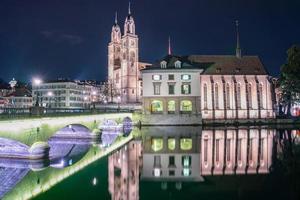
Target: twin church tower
<point x="123" y="62"/>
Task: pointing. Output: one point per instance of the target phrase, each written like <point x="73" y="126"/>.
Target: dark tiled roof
<point x="171" y="59"/>
<point x="229" y="64"/>
<point x="20" y="92"/>
<point x="216" y="64"/>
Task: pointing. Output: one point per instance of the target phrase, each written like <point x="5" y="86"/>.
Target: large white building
<point x="213" y="87"/>
<point x="123" y="62"/>
<point x="65" y="94"/>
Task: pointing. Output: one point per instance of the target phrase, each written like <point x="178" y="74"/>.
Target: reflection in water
<point x="9" y="177"/>
<point x="124" y="169"/>
<point x="65" y="153"/>
<point x="189" y="154"/>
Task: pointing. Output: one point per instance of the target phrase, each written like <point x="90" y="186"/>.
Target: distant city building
<point x="123" y="62"/>
<point x="213" y="87"/>
<point x="65" y="94"/>
<point x="19" y="98"/>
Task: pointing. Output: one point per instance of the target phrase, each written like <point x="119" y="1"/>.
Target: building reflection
<point x="188" y="154"/>
<point x="123" y="171"/>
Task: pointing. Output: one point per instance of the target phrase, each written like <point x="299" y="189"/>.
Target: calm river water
<point x="166" y="163"/>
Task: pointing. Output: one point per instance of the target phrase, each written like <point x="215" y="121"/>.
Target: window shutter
<point x="189" y="89"/>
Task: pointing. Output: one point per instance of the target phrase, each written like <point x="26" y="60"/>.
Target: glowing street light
<point x="37" y="82"/>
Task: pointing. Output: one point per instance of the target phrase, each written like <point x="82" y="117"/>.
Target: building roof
<point x="215" y="64"/>
<point x="20" y="92"/>
<point x="230" y="64"/>
<point x="172" y="59"/>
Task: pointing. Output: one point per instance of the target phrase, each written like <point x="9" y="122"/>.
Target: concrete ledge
<point x="170" y="120"/>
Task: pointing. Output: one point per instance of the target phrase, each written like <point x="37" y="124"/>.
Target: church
<point x="123" y="62"/>
<point x="207" y="86"/>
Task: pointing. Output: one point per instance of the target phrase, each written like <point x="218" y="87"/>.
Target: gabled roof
<point x="231" y="65"/>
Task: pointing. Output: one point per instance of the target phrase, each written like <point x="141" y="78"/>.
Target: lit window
<point x="186" y="172"/>
<point x="186" y="77"/>
<point x="186" y="89"/>
<point x="171" y="144"/>
<point x="186" y="106"/>
<point x="186" y="161"/>
<point x="156" y="77"/>
<point x="186" y="144"/>
<point x="157" y="144"/>
<point x="171" y="106"/>
<point x="157" y="172"/>
<point x="156" y="106"/>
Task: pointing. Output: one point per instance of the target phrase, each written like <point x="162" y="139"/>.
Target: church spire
<point x="116" y="18"/>
<point x="129" y="9"/>
<point x="238" y="51"/>
<point x="169" y="47"/>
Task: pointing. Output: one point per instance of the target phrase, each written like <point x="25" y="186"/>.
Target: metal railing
<point x="21" y="113"/>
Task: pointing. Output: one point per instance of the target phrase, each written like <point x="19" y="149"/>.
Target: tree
<point x="110" y="92"/>
<point x="290" y="78"/>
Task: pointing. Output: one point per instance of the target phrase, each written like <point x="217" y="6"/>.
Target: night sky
<point x="69" y="38"/>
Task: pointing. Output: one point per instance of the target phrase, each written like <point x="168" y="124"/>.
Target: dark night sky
<point x="68" y="38"/>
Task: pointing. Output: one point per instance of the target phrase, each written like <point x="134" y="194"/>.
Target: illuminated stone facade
<point x="211" y="87"/>
<point x="123" y="62"/>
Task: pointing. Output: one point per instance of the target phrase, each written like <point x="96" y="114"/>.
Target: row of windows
<point x="157" y="144"/>
<point x="229" y="149"/>
<point x="185" y="88"/>
<point x="228" y="100"/>
<point x="21" y="100"/>
<point x="157" y="106"/>
<point x="171" y="77"/>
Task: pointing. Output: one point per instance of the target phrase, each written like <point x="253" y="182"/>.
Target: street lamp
<point x="36" y="82"/>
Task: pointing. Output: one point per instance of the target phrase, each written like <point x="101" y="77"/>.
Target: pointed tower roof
<point x="116" y="18"/>
<point x="169" y="47"/>
<point x="238" y="51"/>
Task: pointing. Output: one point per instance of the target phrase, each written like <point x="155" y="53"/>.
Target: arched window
<point x="186" y="144"/>
<point x="260" y="91"/>
<point x="157" y="144"/>
<point x="205" y="95"/>
<point x="171" y="106"/>
<point x="216" y="96"/>
<point x="227" y="96"/>
<point x="186" y="106"/>
<point x="156" y="106"/>
<point x="238" y="96"/>
<point x="249" y="96"/>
